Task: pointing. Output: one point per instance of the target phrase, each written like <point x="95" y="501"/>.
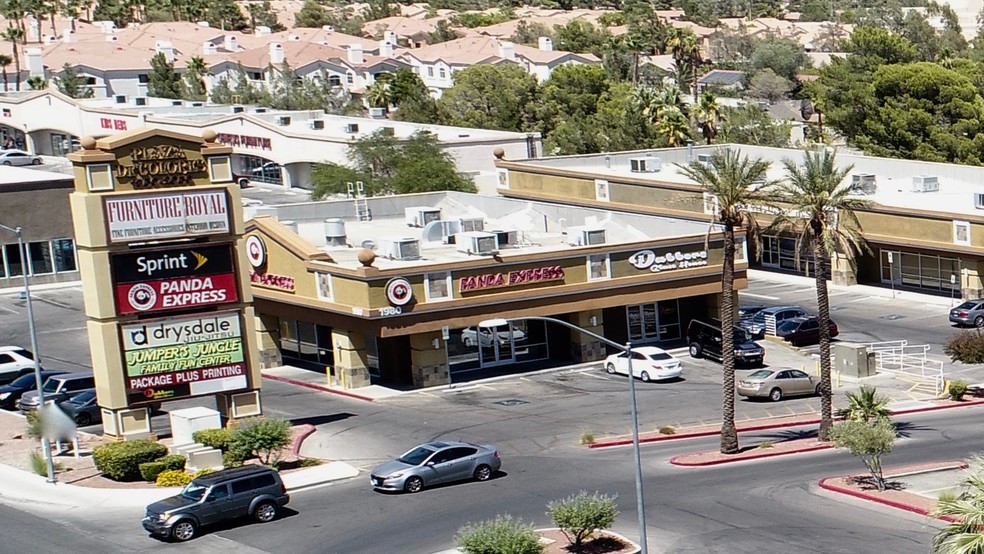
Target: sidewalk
<point x="758" y="276"/>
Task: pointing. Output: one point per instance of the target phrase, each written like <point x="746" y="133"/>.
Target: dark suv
<point x="705" y="340"/>
<point x="251" y="490"/>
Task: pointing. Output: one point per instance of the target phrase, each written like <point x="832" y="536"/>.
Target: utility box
<point x="185" y="422"/>
<point x="853" y="360"/>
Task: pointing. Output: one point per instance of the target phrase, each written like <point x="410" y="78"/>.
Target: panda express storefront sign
<point x="149" y="281"/>
<point x="161" y="166"/>
<point x="512" y="278"/>
<point x="184" y="356"/>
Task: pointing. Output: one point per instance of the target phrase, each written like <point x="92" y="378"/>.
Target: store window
<point x="40" y="258"/>
<point x="43" y="257"/>
<point x="324" y="286"/>
<point x="438" y="286"/>
<point x="307" y="344"/>
<point x="63" y="252"/>
<point x="659" y="321"/>
<point x="920" y="271"/>
<point x="599" y="267"/>
<point x="780" y="252"/>
<point x="262" y="170"/>
<point x="62" y="144"/>
<point x="13" y="260"/>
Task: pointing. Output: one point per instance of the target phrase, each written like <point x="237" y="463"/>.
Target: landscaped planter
<point x="602" y="542"/>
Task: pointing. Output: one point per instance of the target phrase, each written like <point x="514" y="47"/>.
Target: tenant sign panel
<point x="145" y="217"/>
<point x="184" y="356"/>
<point x="148" y="281"/>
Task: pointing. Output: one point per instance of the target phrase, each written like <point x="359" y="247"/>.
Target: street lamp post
<point x="627" y="348"/>
<point x="45" y="444"/>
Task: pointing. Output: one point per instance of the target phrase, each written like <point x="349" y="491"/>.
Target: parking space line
<point x="15" y="312"/>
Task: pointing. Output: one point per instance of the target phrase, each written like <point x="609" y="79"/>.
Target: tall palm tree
<point x="684" y="47"/>
<point x="14" y="34"/>
<point x="707" y="112"/>
<point x="966" y="534"/>
<point x="827" y="225"/>
<point x="380" y="93"/>
<point x="674" y="126"/>
<point x="5" y="61"/>
<point x="730" y="177"/>
<point x="195" y="72"/>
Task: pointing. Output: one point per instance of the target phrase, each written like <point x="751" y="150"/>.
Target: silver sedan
<point x="437" y="462"/>
<point x="19" y="157"/>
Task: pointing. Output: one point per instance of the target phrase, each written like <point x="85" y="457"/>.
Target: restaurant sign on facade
<point x="166" y="216"/>
<point x="512" y="278"/>
<point x="174" y="278"/>
<point x="647" y="259"/>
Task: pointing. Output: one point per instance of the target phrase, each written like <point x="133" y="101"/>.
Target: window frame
<point x="449" y="284"/>
<point x="606" y="263"/>
<point x="957" y="226"/>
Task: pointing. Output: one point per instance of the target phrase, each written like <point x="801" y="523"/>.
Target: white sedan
<point x="648" y="363"/>
<point x="19" y="157"/>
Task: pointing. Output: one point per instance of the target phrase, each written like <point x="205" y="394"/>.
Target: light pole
<point x="45" y="444"/>
<point x="627" y="348"/>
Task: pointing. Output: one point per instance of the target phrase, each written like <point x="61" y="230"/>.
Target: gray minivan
<point x="756" y="325"/>
<point x="250" y="490"/>
<point x="57" y="388"/>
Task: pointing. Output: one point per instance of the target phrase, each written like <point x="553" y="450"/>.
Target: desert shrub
<point x="765" y="444"/>
<point x="580" y="515"/>
<point x="39" y="465"/>
<point x="966" y="347"/>
<point x="958" y="389"/>
<point x="173" y="478"/>
<point x="667" y="430"/>
<point x="261" y="437"/>
<point x="121" y="460"/>
<point x="309" y="462"/>
<point x="502" y="535"/>
<point x="33" y="425"/>
<point x="587" y="437"/>
<point x="150" y="470"/>
<point x="220" y="439"/>
<point x="203" y="471"/>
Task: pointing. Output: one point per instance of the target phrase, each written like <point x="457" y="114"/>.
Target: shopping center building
<point x="398" y="299"/>
<point x="924" y="224"/>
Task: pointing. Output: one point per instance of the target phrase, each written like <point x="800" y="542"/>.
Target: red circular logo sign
<point x="399" y="292"/>
<point x="255" y="251"/>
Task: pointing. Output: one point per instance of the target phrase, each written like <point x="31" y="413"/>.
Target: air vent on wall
<point x="283" y="120"/>
<point x="317" y="124"/>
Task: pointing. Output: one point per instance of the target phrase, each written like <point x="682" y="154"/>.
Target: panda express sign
<point x="149" y="281"/>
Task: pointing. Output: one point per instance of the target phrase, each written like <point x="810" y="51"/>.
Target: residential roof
<point x="722" y="77"/>
<point x="402" y="26"/>
<point x="478" y="49"/>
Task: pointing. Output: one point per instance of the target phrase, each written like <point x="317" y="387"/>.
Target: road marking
<point x="41" y="332"/>
<point x="15" y="312"/>
<point x="762" y="296"/>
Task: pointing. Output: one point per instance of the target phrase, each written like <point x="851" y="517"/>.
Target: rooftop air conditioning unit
<point x="197" y="104"/>
<point x="140" y="101"/>
<point x="507" y="238"/>
<point x="585" y="236"/>
<point x="335" y="232"/>
<point x="979" y="200"/>
<point x="260" y="110"/>
<point x="863" y="183"/>
<point x="352" y="128"/>
<point x="925" y="183"/>
<point x="238" y="109"/>
<point x="283" y="120"/>
<point x="400" y="249"/>
<point x="418" y="216"/>
<point x="477" y="242"/>
<point x="645" y="165"/>
<point x="317" y="124"/>
<point x="704" y="158"/>
<point x="377" y="113"/>
<point x="473" y="224"/>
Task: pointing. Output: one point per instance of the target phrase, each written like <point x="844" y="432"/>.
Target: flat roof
<point x="537" y="227"/>
<point x="13" y="175"/>
<point x="896" y="182"/>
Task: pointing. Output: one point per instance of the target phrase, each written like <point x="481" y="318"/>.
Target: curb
<point x="675" y="460"/>
<point x="320" y="388"/>
<point x="888" y="502"/>
<point x="767" y="426"/>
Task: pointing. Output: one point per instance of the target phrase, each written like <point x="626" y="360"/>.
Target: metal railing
<point x="910" y="362"/>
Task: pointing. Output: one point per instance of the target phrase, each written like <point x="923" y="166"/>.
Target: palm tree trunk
<point x="823" y="315"/>
<point x="17" y="67"/>
<point x="6" y="87"/>
<point x="729" y="434"/>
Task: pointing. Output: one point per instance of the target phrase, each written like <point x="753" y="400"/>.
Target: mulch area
<point x="603" y="542"/>
<point x="763" y="450"/>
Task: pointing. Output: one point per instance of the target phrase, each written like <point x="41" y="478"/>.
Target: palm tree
<point x="707" y="112"/>
<point x="5" y="61"/>
<point x="685" y="49"/>
<point x="14" y="34"/>
<point x="865" y="405"/>
<point x="826" y="223"/>
<point x="674" y="126"/>
<point x="730" y="178"/>
<point x="195" y="72"/>
<point x="380" y="92"/>
<point x="965" y="535"/>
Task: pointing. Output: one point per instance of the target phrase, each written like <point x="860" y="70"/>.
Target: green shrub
<point x="174" y="461"/>
<point x="39" y="465"/>
<point x="150" y="470"/>
<point x="173" y="478"/>
<point x="309" y="462"/>
<point x="966" y="347"/>
<point x="667" y="430"/>
<point x="261" y="437"/>
<point x="203" y="471"/>
<point x="587" y="437"/>
<point x="121" y="460"/>
<point x="502" y="535"/>
<point x="958" y="389"/>
<point x="34" y="425"/>
<point x="580" y="515"/>
<point x="232" y="458"/>
<point x="220" y="439"/>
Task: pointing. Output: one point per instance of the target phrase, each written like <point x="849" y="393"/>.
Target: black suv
<point x="705" y="340"/>
<point x="250" y="490"/>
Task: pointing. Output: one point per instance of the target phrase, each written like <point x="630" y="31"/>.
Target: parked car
<point x="471" y="336"/>
<point x="12" y="392"/>
<point x="746" y="312"/>
<point x="970" y="312"/>
<point x="14" y="362"/>
<point x="648" y="363"/>
<point x="804" y="330"/>
<point x="437" y="462"/>
<point x="775" y="384"/>
<point x="82" y="407"/>
<point x="757" y="323"/>
<point x="57" y="389"/>
<point x="251" y="490"/>
<point x="19" y="157"/>
<point x="704" y="339"/>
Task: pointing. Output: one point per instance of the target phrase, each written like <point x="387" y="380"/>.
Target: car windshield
<point x="24" y="381"/>
<point x="760" y="374"/>
<point x="660" y="356"/>
<point x="742" y="335"/>
<point x="759" y="317"/>
<point x="50" y="385"/>
<point x="83" y="397"/>
<point x="194" y="491"/>
<point x="416" y="456"/>
<point x="26" y="353"/>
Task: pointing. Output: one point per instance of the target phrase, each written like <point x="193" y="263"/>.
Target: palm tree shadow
<point x="904" y="429"/>
<point x="782" y="436"/>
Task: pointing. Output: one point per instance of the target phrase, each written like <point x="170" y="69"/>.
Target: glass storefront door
<point x="475" y="348"/>
<point x="654" y="322"/>
<point x="920" y="271"/>
<point x="780" y="252"/>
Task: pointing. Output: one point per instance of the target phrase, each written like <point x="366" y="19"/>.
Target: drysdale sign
<point x="167" y="215"/>
<point x="184" y="356"/>
<point x="160" y="166"/>
<point x="647" y="259"/>
<point x="150" y="281"/>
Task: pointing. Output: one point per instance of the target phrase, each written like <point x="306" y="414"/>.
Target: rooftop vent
<point x="473" y="224"/>
<point x="238" y="109"/>
<point x="477" y="242"/>
<point x="352" y="128"/>
<point x="507" y="238"/>
<point x="140" y="101"/>
<point x="645" y="165"/>
<point x="585" y="236"/>
<point x="259" y="110"/>
<point x="925" y="183"/>
<point x="704" y="158"/>
<point x="317" y="124"/>
<point x="120" y="99"/>
<point x="418" y="216"/>
<point x="283" y="120"/>
<point x="863" y="183"/>
<point x="335" y="232"/>
<point x="400" y="249"/>
<point x="377" y="113"/>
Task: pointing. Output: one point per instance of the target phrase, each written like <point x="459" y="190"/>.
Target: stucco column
<point x="585" y="348"/>
<point x="428" y="360"/>
<point x="268" y="340"/>
<point x="841" y="272"/>
<point x="351" y="359"/>
<point x="971" y="284"/>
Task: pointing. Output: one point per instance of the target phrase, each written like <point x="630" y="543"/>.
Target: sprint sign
<point x="176" y="294"/>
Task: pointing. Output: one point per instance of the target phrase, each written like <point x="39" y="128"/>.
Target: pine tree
<point x="164" y="82"/>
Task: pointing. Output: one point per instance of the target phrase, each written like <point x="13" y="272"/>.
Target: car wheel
<point x="483" y="473"/>
<point x="644" y="377"/>
<point x="265" y="512"/>
<point x="610" y="368"/>
<point x="36" y="161"/>
<point x="6" y="163"/>
<point x="695" y="350"/>
<point x="413" y="484"/>
<point x="775" y="395"/>
<point x="184" y="530"/>
<point x="979" y="321"/>
<point x="83" y="419"/>
<point x="817" y="390"/>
